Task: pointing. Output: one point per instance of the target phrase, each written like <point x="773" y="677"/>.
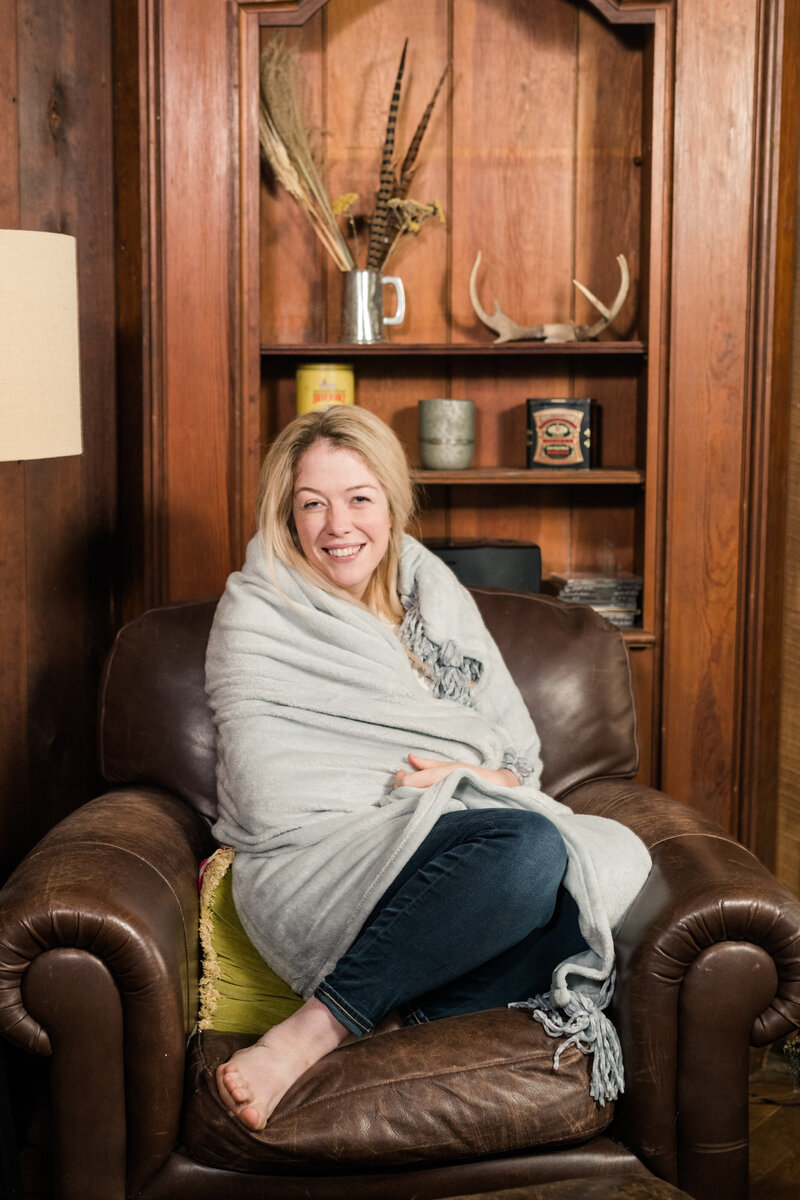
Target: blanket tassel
<point x="581" y="1021"/>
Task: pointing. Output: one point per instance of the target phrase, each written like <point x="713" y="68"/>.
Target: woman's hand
<point x="427" y="771"/>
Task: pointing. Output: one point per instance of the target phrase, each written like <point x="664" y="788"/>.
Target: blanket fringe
<point x="453" y="672"/>
<point x="581" y="1021"/>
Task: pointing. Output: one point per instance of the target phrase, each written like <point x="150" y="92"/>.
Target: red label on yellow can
<point x="320" y="385"/>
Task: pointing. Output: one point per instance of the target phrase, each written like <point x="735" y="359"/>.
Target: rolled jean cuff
<point x="344" y="1012"/>
<point x="411" y="1015"/>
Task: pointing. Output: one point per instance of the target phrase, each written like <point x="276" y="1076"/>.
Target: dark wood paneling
<point x="15" y="809"/>
<point x="57" y="517"/>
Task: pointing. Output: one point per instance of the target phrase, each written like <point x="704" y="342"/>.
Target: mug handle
<point x="400" y="296"/>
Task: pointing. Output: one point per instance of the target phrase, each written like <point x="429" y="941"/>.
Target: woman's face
<point x="342" y="516"/>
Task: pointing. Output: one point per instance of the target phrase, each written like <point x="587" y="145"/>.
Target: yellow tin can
<point x="320" y="385"/>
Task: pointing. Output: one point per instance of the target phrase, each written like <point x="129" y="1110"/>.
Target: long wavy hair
<point x="345" y="427"/>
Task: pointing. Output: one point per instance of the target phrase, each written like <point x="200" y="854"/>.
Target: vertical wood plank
<point x="248" y="432"/>
<point x="787" y="864"/>
<point x="778" y="118"/>
<point x="713" y="178"/>
<point x="140" y="357"/>
<point x="788" y="814"/>
<point x="198" y="312"/>
<point x="15" y="823"/>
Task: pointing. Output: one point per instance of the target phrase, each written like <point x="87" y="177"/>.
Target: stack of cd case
<point x="616" y="597"/>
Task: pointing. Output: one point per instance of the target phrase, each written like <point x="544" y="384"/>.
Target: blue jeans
<point x="476" y="919"/>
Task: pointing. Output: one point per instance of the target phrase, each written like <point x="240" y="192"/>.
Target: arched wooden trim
<point x="285" y="14"/>
<point x="629" y="12"/>
<point x="616" y="12"/>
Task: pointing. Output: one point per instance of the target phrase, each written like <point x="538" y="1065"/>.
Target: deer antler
<point x="509" y="331"/>
<point x="608" y="313"/>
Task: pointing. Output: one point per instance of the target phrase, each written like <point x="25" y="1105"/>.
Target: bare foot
<point x="254" y="1080"/>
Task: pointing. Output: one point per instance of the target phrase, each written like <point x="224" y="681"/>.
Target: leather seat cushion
<point x="480" y="1084"/>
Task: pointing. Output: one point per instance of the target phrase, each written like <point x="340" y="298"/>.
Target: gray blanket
<point x="316" y="706"/>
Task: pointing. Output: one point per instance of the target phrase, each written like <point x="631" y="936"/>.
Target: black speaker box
<point x="516" y="566"/>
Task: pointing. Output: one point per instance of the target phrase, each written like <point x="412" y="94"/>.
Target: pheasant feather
<point x="408" y="168"/>
<point x="378" y="236"/>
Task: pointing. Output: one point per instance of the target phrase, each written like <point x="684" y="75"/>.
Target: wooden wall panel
<point x="713" y="187"/>
<point x="788" y="813"/>
<point x="58" y="517"/>
<point x="199" y="144"/>
<point x="773" y="285"/>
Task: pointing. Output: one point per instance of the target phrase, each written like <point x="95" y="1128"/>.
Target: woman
<point x="378" y="776"/>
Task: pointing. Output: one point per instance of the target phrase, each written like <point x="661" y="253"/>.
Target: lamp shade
<point x="40" y="398"/>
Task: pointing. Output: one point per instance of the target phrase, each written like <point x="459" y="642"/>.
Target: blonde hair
<point x="345" y="427"/>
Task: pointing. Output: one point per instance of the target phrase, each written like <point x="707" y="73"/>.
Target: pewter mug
<point x="446" y="434"/>
<point x="362" y="305"/>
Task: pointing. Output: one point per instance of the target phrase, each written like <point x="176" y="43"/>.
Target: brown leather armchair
<point x="99" y="969"/>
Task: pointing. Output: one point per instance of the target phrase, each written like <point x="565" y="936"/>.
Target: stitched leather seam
<point x="518" y="1061"/>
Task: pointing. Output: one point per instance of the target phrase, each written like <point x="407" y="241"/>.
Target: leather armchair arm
<point x="708" y="962"/>
<point x="99" y="967"/>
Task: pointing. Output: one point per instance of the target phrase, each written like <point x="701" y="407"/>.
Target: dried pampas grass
<point x="285" y="146"/>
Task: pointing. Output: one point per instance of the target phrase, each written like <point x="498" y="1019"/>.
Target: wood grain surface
<point x="58" y="516"/>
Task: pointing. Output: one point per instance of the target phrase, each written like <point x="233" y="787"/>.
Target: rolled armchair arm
<point x="708" y="963"/>
<point x="99" y="961"/>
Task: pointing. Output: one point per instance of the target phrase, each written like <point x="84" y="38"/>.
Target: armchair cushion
<point x="442" y="1092"/>
<point x="239" y="992"/>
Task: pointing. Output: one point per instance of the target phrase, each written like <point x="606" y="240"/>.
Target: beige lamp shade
<point x="40" y="397"/>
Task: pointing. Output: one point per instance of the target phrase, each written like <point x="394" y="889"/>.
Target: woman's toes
<point x="225" y="1094"/>
<point x="252" y="1118"/>
<point x="233" y="1089"/>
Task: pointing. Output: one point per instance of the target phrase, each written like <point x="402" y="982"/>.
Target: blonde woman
<point x="378" y="777"/>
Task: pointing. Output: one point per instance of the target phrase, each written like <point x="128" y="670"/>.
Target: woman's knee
<point x="535" y="858"/>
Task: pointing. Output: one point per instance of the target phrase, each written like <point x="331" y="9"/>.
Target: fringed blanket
<point x="316" y="705"/>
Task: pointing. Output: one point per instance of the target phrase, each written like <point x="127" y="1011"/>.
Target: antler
<point x="608" y="313"/>
<point x="509" y="331"/>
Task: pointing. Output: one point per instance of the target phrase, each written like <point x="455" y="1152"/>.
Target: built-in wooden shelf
<point x="535" y="475"/>
<point x="334" y="350"/>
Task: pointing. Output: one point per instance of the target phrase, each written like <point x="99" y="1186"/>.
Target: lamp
<point x="40" y="398"/>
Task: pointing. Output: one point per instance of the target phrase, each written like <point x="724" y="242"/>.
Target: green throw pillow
<point x="239" y="993"/>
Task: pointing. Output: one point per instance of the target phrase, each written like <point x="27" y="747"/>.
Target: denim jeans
<point x="476" y="919"/>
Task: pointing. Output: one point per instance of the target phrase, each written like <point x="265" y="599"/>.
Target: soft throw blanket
<point x="316" y="706"/>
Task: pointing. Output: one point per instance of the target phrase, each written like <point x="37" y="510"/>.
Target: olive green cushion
<point x="239" y="993"/>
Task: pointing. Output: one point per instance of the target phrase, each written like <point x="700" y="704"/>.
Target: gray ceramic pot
<point x="446" y="434"/>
